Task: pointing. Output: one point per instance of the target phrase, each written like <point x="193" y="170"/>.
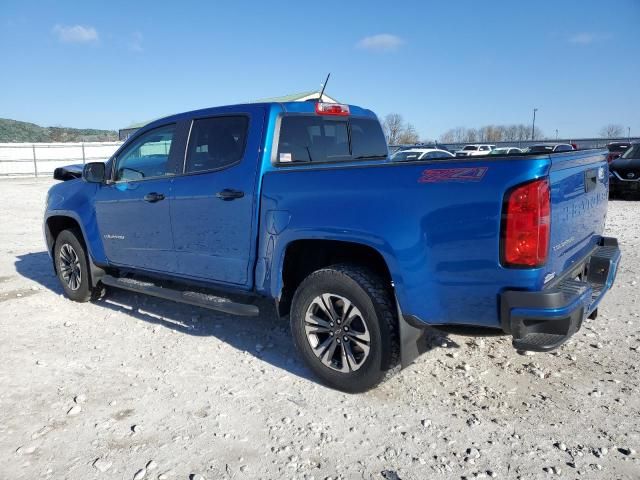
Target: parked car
<point x="624" y="172"/>
<point x="420" y="154"/>
<point x="505" y="151"/>
<point x="396" y="148"/>
<point x="551" y="148"/>
<point x="299" y="203"/>
<point x="474" y="150"/>
<point x="616" y="149"/>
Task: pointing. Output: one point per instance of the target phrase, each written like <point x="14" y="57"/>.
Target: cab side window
<point x="147" y="156"/>
<point x="216" y="143"/>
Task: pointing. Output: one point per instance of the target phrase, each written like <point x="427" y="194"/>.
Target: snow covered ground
<point x="136" y="387"/>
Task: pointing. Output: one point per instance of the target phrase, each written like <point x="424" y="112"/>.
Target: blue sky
<point x="440" y="64"/>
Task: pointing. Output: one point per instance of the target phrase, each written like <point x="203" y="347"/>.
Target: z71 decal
<point x="468" y="174"/>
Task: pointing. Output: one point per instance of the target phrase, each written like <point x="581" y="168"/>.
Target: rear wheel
<point x="344" y="325"/>
<point x="72" y="267"/>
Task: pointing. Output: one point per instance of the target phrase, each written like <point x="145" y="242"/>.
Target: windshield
<point x="470" y="147"/>
<point x="633" y="152"/>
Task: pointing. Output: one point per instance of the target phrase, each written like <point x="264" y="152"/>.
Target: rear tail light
<point x="526" y="225"/>
<point x="332" y="109"/>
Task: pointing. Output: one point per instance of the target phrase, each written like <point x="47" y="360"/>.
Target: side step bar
<point x="198" y="299"/>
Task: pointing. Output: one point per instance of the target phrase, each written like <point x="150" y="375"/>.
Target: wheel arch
<point x="58" y="222"/>
<point x="301" y="257"/>
<point x="55" y="224"/>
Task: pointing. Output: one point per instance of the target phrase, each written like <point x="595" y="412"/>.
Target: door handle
<point x="229" y="194"/>
<point x="153" y="197"/>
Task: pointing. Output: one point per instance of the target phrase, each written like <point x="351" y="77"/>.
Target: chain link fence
<point x="41" y="159"/>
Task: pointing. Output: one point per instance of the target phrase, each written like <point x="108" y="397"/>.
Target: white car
<point x="474" y="150"/>
<point x="413" y="154"/>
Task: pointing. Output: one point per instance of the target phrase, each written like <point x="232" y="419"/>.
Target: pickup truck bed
<point x="312" y="213"/>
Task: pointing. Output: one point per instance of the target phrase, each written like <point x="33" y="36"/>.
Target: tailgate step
<point x="539" y="342"/>
<point x="199" y="299"/>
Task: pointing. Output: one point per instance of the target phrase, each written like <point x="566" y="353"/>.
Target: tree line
<point x="491" y="133"/>
<point x="400" y="132"/>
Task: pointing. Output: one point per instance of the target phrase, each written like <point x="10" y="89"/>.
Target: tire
<point x="352" y="359"/>
<point x="72" y="267"/>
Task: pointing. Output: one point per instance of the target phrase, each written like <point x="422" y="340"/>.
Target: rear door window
<point x="216" y="143"/>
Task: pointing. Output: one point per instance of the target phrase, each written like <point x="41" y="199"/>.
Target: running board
<point x="205" y="300"/>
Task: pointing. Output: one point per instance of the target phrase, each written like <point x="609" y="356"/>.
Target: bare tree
<point x="409" y="135"/>
<point x="490" y="133"/>
<point x="611" y="131"/>
<point x="399" y="132"/>
<point x="448" y="136"/>
<point x="471" y="135"/>
<point x="511" y="133"/>
<point x="393" y="125"/>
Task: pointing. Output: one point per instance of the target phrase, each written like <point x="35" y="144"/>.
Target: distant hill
<point x="15" y="131"/>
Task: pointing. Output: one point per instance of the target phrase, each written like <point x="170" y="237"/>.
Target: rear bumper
<point x="542" y="321"/>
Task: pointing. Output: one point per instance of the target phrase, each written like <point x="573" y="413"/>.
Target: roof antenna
<point x="323" y="87"/>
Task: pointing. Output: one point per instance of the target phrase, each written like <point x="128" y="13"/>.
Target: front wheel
<point x="344" y="324"/>
<point x="72" y="267"/>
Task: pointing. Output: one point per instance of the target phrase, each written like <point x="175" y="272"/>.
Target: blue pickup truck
<point x="300" y="203"/>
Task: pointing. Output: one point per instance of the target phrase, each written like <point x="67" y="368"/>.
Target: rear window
<point x="563" y="148"/>
<point x="320" y="139"/>
<point x="618" y="147"/>
<point x="367" y="138"/>
<point x="541" y="149"/>
<point x="470" y="147"/>
<point x="406" y="156"/>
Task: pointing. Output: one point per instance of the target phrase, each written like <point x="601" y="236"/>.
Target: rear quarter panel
<point x="436" y="224"/>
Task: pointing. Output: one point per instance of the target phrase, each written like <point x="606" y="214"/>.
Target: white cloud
<point x="75" y="33"/>
<point x="587" y="38"/>
<point x="135" y="44"/>
<point x="383" y="42"/>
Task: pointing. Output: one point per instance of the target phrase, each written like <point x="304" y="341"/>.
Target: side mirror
<point x="94" y="172"/>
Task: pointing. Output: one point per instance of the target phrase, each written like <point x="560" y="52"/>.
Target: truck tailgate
<point x="579" y="192"/>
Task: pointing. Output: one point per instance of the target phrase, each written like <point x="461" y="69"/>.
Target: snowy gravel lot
<point x="136" y="387"/>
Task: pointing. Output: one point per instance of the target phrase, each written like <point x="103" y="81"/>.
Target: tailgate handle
<point x="590" y="180"/>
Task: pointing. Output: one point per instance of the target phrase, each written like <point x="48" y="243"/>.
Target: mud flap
<point x="413" y="341"/>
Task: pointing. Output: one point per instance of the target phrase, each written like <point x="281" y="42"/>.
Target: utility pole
<point x="629" y="133"/>
<point x="533" y="127"/>
<point x="556" y="134"/>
